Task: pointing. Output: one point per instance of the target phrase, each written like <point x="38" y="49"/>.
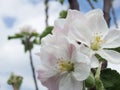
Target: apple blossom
<point x="63" y="66"/>
<point x="61" y="26"/>
<point x="27" y="29"/>
<point x="93" y="32"/>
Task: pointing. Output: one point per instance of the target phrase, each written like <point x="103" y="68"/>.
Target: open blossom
<point x="93" y="32"/>
<point x="63" y="66"/>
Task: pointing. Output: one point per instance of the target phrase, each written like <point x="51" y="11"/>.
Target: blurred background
<point x="15" y="14"/>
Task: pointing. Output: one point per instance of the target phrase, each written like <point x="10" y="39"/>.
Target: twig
<point x="33" y="70"/>
<point x="74" y="4"/>
<point x="46" y="12"/>
<point x="114" y="17"/>
<point x="91" y="5"/>
<point x="106" y="9"/>
<point x="32" y="66"/>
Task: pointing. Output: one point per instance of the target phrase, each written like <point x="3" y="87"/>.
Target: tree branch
<point x="106" y="9"/>
<point x="91" y="5"/>
<point x="33" y="70"/>
<point x="46" y="12"/>
<point x="31" y="63"/>
<point x="114" y="17"/>
<point x="74" y="4"/>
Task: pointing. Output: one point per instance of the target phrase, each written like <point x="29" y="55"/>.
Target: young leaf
<point x="47" y="31"/>
<point x="110" y="79"/>
<point x="15" y="81"/>
<point x="61" y="1"/>
<point x="63" y="14"/>
<point x="95" y="0"/>
<point x="90" y="81"/>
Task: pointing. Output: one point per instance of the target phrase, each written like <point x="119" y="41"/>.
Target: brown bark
<point x="74" y="4"/>
<point x="106" y="9"/>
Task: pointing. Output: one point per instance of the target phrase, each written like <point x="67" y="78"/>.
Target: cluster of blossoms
<point x="68" y="54"/>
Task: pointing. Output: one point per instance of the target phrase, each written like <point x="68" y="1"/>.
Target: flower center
<point x="65" y="65"/>
<point x="96" y="42"/>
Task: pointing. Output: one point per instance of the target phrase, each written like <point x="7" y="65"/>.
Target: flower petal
<point x="112" y="39"/>
<point x="52" y="83"/>
<point x="45" y="72"/>
<point x="94" y="62"/>
<point x="59" y="27"/>
<point x="80" y="32"/>
<point x="78" y="57"/>
<point x="57" y="47"/>
<point x="74" y="15"/>
<point x="81" y="71"/>
<point x="110" y="55"/>
<point x="69" y="83"/>
<point x="96" y="21"/>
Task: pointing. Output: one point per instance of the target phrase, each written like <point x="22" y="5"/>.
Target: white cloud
<point x="116" y="3"/>
<point x="12" y="54"/>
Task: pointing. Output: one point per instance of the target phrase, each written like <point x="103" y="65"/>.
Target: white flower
<point x="93" y="32"/>
<point x="63" y="66"/>
<point x="61" y="26"/>
<point x="27" y="29"/>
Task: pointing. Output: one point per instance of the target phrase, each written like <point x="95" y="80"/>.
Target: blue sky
<point x="17" y="13"/>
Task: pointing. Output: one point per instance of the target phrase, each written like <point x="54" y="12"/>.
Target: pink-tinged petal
<point x="45" y="72"/>
<point x="81" y="71"/>
<point x="112" y="39"/>
<point x="71" y="49"/>
<point x="59" y="25"/>
<point x="54" y="47"/>
<point x="52" y="83"/>
<point x="47" y="56"/>
<point x="68" y="82"/>
<point x="96" y="21"/>
<point x="94" y="61"/>
<point x="110" y="56"/>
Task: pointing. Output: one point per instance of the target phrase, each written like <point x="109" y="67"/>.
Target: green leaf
<point x="100" y="58"/>
<point x="16" y="36"/>
<point x="15" y="80"/>
<point x="61" y="1"/>
<point x="47" y="31"/>
<point x="63" y="14"/>
<point x="110" y="79"/>
<point x="95" y="0"/>
<point x="90" y="81"/>
<point x="115" y="49"/>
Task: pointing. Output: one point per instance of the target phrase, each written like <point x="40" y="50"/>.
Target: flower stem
<point x="33" y="70"/>
<point x="99" y="84"/>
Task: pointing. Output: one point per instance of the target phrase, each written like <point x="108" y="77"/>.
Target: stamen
<point x="97" y="42"/>
<point x="65" y="65"/>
